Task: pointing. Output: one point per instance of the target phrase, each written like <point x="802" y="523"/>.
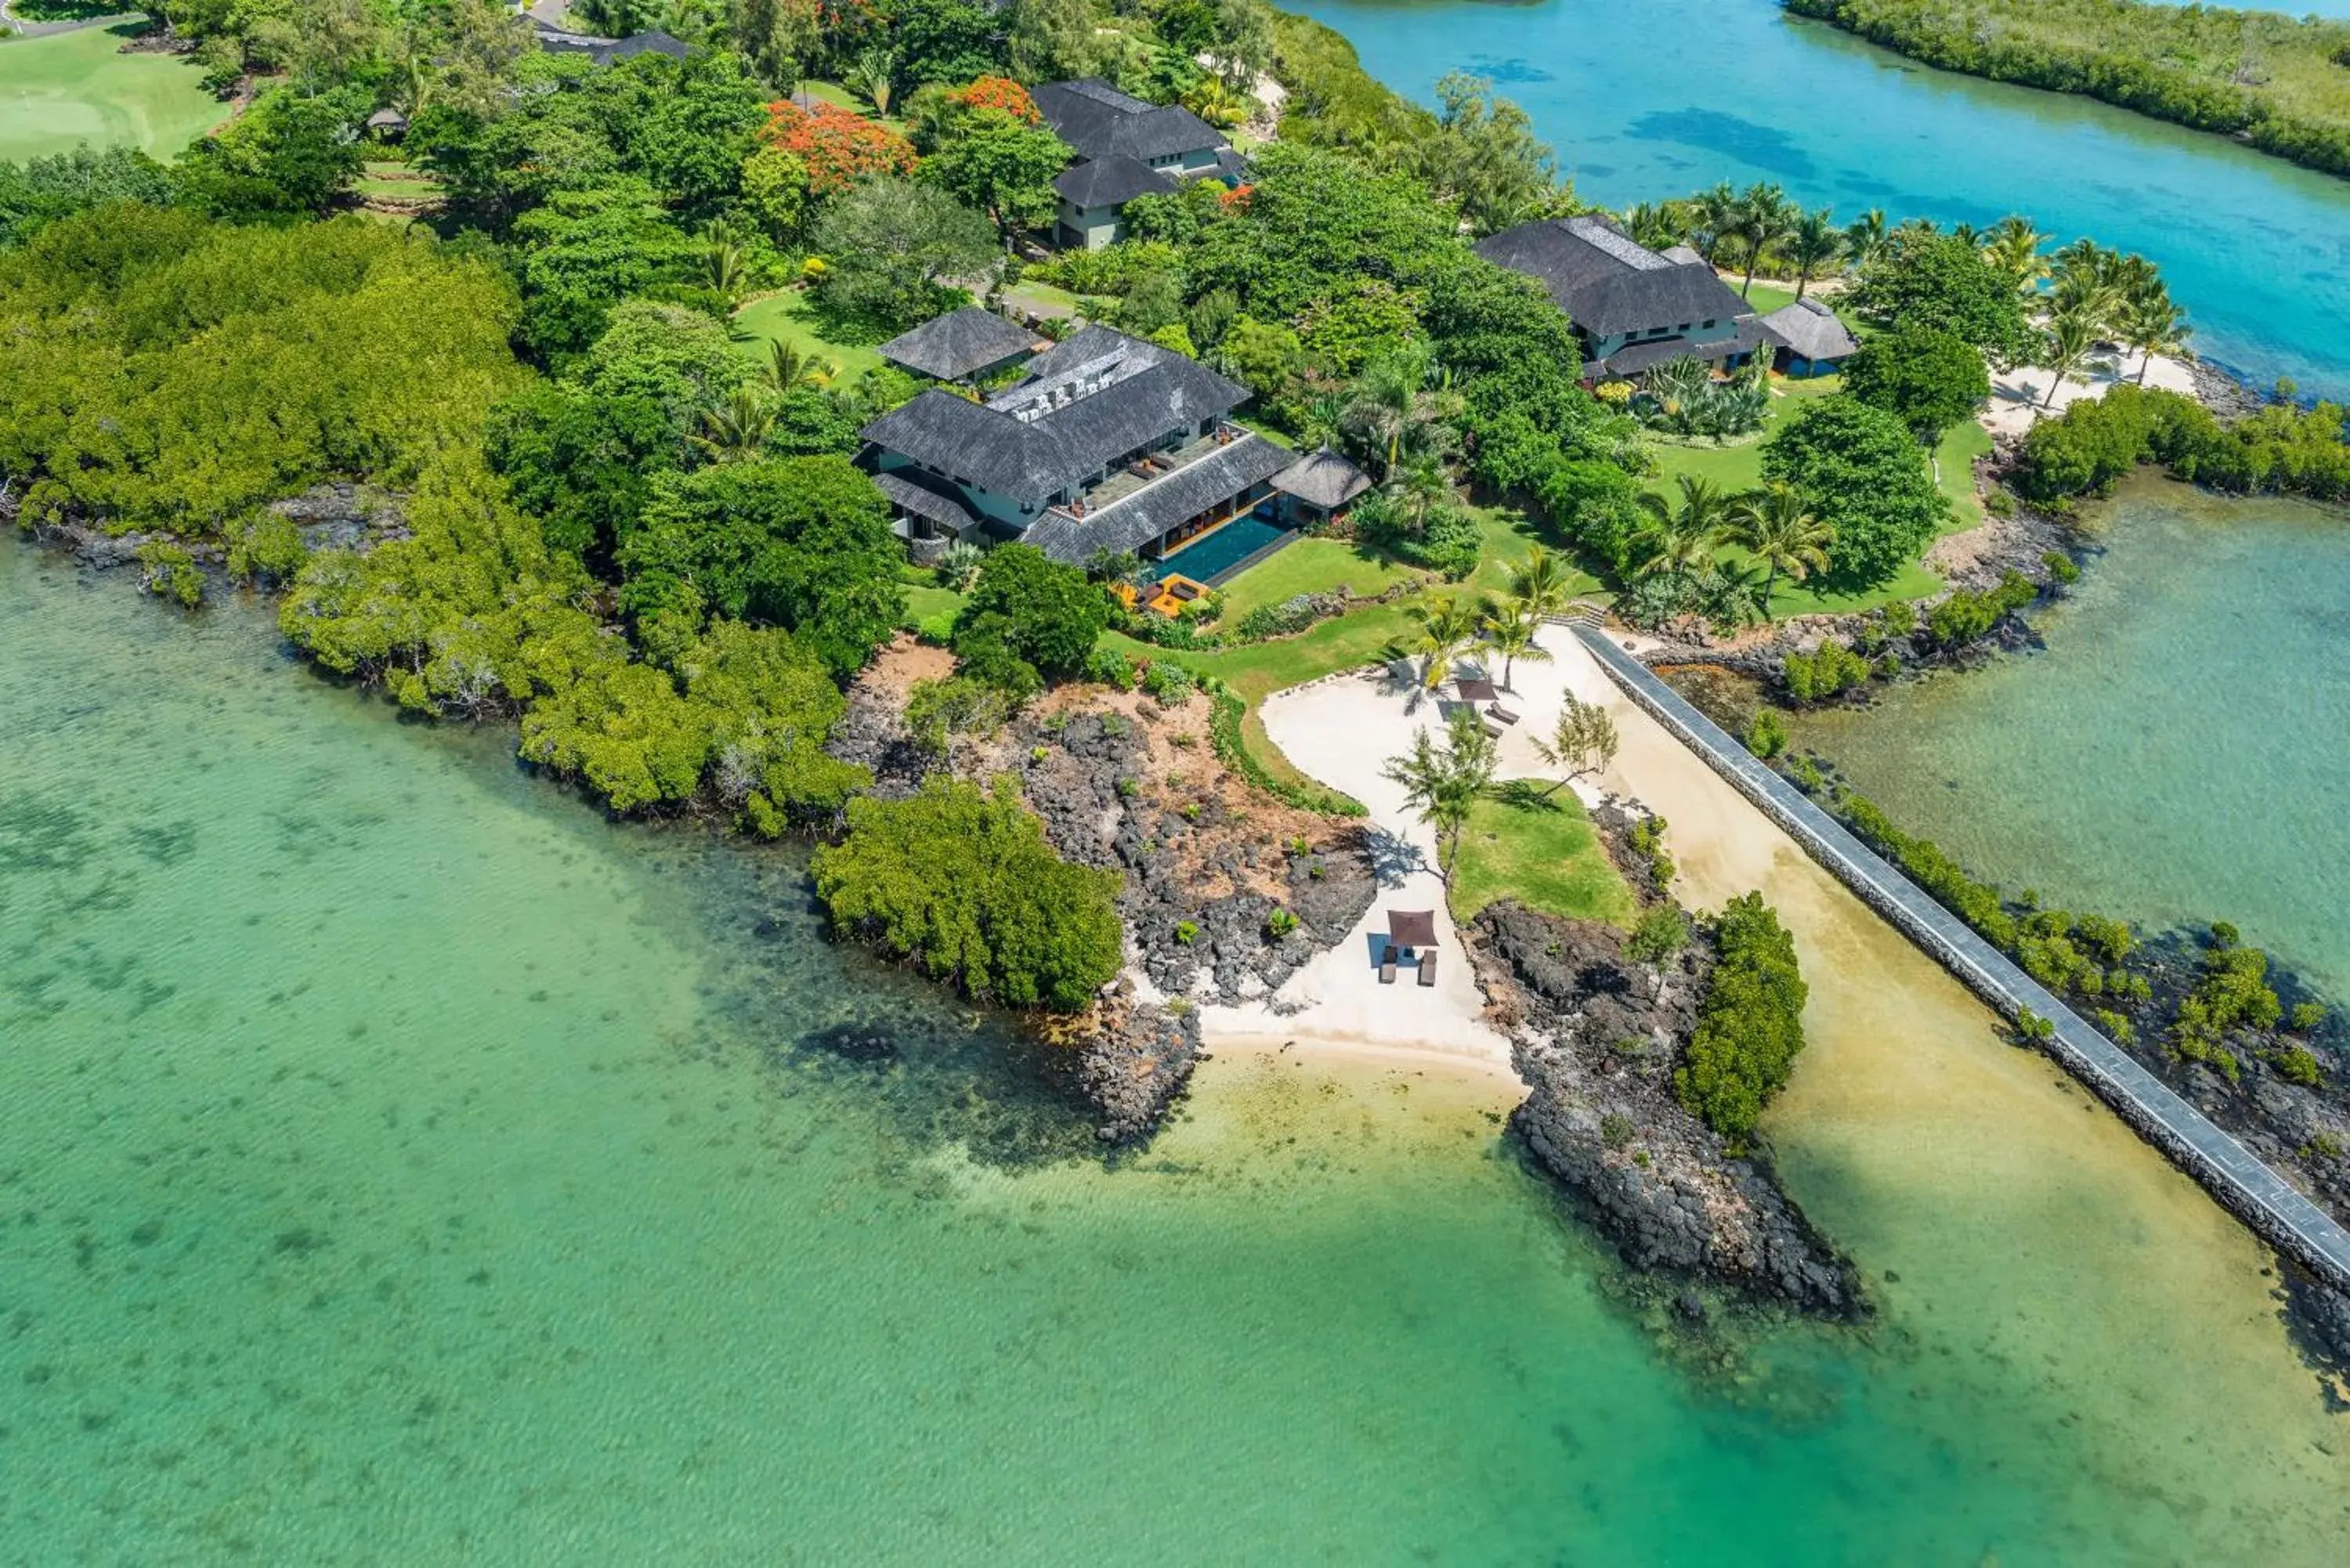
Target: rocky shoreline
<point x="1596" y="1034"/>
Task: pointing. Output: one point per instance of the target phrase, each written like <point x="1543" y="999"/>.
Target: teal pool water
<point x="1657" y="99"/>
<point x="1207" y="558"/>
<point x="400" y="1163"/>
<point x="2177" y="752"/>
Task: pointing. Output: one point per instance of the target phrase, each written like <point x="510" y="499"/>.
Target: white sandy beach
<point x="2016" y="395"/>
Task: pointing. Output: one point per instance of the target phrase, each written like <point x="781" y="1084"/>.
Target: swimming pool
<point x="1213" y="555"/>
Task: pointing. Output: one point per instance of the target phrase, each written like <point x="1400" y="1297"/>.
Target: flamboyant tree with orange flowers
<point x="999" y="93"/>
<point x="839" y="147"/>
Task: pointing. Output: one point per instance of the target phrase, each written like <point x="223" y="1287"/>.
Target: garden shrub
<point x="1750" y="1026"/>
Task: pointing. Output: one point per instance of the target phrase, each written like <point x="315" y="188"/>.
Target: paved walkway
<point x="2243" y="1185"/>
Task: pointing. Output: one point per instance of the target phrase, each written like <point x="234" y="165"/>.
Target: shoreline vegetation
<point x="2276" y="82"/>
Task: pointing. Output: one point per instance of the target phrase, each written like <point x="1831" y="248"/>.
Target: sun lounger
<point x="1428" y="967"/>
<point x="1493" y="728"/>
<point x="1503" y="714"/>
<point x="1386" y="966"/>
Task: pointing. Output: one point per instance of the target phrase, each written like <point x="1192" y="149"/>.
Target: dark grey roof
<point x="1110" y="181"/>
<point x="1097" y="119"/>
<point x="1635" y="358"/>
<point x="1809" y="328"/>
<point x="1681" y="253"/>
<point x="604" y="51"/>
<point x="1604" y="282"/>
<point x="925" y="497"/>
<point x="387" y="120"/>
<point x="1135" y="520"/>
<point x="960" y="343"/>
<point x="1084" y="403"/>
<point x="1323" y="479"/>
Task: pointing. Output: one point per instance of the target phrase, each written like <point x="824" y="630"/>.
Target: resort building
<point x="1109" y="443"/>
<point x="1633" y="308"/>
<point x="559" y="41"/>
<point x="1809" y="338"/>
<point x="1126" y="148"/>
<point x="1319" y="487"/>
<point x="967" y="345"/>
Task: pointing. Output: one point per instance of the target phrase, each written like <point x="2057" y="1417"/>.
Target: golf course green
<point x="60" y="91"/>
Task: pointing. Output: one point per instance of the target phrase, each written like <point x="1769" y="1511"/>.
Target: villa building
<point x="1809" y="338"/>
<point x="1107" y="443"/>
<point x="1633" y="308"/>
<point x="1126" y="148"/>
<point x="967" y="345"/>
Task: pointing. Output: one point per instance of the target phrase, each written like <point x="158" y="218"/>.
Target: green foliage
<point x="2097" y="440"/>
<point x="1226" y="715"/>
<point x="1867" y="478"/>
<point x="1280" y="924"/>
<point x="2114" y="1027"/>
<point x="1027" y="609"/>
<point x="1111" y="667"/>
<point x="1928" y="378"/>
<point x="1186" y="932"/>
<point x="1661" y="932"/>
<point x="802" y="542"/>
<point x="583" y="463"/>
<point x="965" y="884"/>
<point x="160" y="371"/>
<point x="1750" y="1026"/>
<point x="1647" y="841"/>
<point x="1830" y="672"/>
<point x="2192" y="64"/>
<point x="1924" y="281"/>
<point x="1976" y="903"/>
<point x="285" y="158"/>
<point x="2232" y="993"/>
<point x="2306" y="1016"/>
<point x="1766" y="737"/>
<point x="2296" y="1064"/>
<point x="2062" y="568"/>
<point x="1615" y="1129"/>
<point x="588" y="248"/>
<point x="172" y="573"/>
<point x="41" y="191"/>
<point x="267" y="549"/>
<point x="890" y="241"/>
<point x="1169" y="682"/>
<point x="1967" y="613"/>
<point x="1001" y="166"/>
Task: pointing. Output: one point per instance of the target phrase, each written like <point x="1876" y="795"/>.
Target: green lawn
<point x="1763" y="298"/>
<point x="60" y="91"/>
<point x="922" y="603"/>
<point x="791" y="317"/>
<point x="1543" y="852"/>
<point x="840" y="96"/>
<point x="1509" y="537"/>
<point x="1311" y="566"/>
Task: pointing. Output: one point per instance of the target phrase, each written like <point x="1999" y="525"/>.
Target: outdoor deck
<point x="1122" y="484"/>
<point x="2245" y="1186"/>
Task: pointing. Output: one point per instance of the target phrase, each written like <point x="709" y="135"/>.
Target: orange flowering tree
<point x="999" y="93"/>
<point x="839" y="147"/>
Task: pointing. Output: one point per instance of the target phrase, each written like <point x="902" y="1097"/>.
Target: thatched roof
<point x="959" y="344"/>
<point x="1607" y="283"/>
<point x="1810" y="329"/>
<point x="1322" y="479"/>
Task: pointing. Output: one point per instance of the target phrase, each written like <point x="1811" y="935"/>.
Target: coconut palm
<point x="2152" y="325"/>
<point x="1814" y="244"/>
<point x="1865" y="236"/>
<point x="1777" y="525"/>
<point x="2073" y="337"/>
<point x="722" y="259"/>
<point x="1442" y="784"/>
<point x="1763" y="215"/>
<point x="2013" y="247"/>
<point x="736" y="431"/>
<point x="1511" y="626"/>
<point x="1712" y="216"/>
<point x="1420" y="482"/>
<point x="1445" y="625"/>
<point x="1390" y="401"/>
<point x="1653" y="224"/>
<point x="1679" y="540"/>
<point x="871" y="76"/>
<point x="789" y="368"/>
<point x="1540" y="584"/>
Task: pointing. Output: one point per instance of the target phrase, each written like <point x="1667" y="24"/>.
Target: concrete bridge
<point x="2276" y="1211"/>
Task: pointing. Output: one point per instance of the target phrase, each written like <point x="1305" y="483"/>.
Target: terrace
<point x="1149" y="468"/>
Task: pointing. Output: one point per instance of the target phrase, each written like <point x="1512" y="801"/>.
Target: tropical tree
<point x="1653" y="224"/>
<point x="789" y="368"/>
<point x="1444" y="624"/>
<point x="1865" y="236"/>
<point x="735" y="432"/>
<point x="2013" y="247"/>
<point x="2073" y="337"/>
<point x="1777" y="525"/>
<point x="1390" y="403"/>
<point x="1443" y="783"/>
<point x="1420" y="482"/>
<point x="1678" y="540"/>
<point x="871" y="76"/>
<point x="2152" y="325"/>
<point x="1714" y="217"/>
<point x="1512" y="626"/>
<point x="1762" y="216"/>
<point x="1814" y="244"/>
<point x="1540" y="584"/>
<point x="1584" y="741"/>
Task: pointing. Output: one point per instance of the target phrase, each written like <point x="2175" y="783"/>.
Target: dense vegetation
<point x="1750" y="1027"/>
<point x="2280" y="448"/>
<point x="2275" y="80"/>
<point x="963" y="882"/>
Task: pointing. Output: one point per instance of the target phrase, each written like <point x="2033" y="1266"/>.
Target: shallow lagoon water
<point x="400" y="1163"/>
<point x="1657" y="99"/>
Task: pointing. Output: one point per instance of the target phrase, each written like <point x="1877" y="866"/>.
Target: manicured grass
<point x="68" y="89"/>
<point x="1540" y="850"/>
<point x="1040" y="298"/>
<point x="1736" y="464"/>
<point x="1955" y="460"/>
<point x="1510" y="536"/>
<point x="1311" y="566"/>
<point x="1764" y="297"/>
<point x="791" y="317"/>
<point x="923" y="603"/>
<point x="840" y="96"/>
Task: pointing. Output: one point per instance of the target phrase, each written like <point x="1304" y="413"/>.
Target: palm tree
<point x="723" y="256"/>
<point x="1443" y="785"/>
<point x="1392" y="405"/>
<point x="1712" y="216"/>
<point x="790" y="368"/>
<point x="1322" y="422"/>
<point x="1539" y="583"/>
<point x="2013" y="247"/>
<point x="1446" y="626"/>
<point x="2073" y="337"/>
<point x="1510" y="627"/>
<point x="1776" y="523"/>
<point x="1865" y="236"/>
<point x="1764" y="215"/>
<point x="2152" y="325"/>
<point x="1652" y="224"/>
<point x="1682" y="539"/>
<point x="738" y="430"/>
<point x="1420" y="482"/>
<point x="1814" y="243"/>
<point x="871" y="76"/>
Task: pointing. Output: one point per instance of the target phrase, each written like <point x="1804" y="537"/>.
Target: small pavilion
<point x="962" y="346"/>
<point x="1320" y="485"/>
